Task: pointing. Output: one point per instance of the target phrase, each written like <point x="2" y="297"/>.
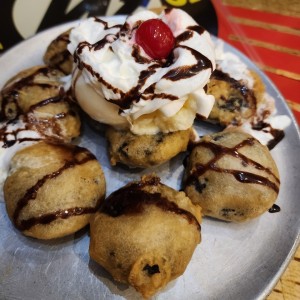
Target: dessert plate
<point x="233" y="261"/>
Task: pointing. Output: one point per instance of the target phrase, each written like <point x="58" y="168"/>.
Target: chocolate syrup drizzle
<point x="185" y="72"/>
<point x="241" y="176"/>
<point x="135" y="93"/>
<point x="59" y="214"/>
<point x="132" y="199"/>
<point x="105" y="24"/>
<point x="31" y="193"/>
<point x="277" y="134"/>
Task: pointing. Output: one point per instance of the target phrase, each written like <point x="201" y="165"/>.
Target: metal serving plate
<point x="233" y="261"/>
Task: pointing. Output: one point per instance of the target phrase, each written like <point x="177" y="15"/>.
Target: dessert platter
<point x="85" y="214"/>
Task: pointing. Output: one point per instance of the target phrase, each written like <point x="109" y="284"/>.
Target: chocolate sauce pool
<point x="274" y="209"/>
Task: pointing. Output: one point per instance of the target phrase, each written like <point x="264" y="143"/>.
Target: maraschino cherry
<point x="156" y="38"/>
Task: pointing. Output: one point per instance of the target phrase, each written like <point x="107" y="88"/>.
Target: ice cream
<point x="117" y="83"/>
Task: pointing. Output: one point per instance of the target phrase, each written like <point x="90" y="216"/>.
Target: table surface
<point x="288" y="287"/>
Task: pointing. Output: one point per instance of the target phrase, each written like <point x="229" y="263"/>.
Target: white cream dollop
<point x="117" y="83"/>
<point x="15" y="135"/>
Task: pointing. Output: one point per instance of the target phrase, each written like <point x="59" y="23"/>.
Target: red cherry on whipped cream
<point x="156" y="38"/>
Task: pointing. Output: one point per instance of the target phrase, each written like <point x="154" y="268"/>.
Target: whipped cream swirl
<point x="117" y="83"/>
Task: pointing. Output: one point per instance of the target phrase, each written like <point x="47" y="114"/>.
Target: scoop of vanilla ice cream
<point x="117" y="83"/>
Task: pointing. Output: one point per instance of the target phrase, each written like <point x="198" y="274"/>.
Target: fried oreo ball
<point x="52" y="190"/>
<point x="145" y="234"/>
<point x="231" y="176"/>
